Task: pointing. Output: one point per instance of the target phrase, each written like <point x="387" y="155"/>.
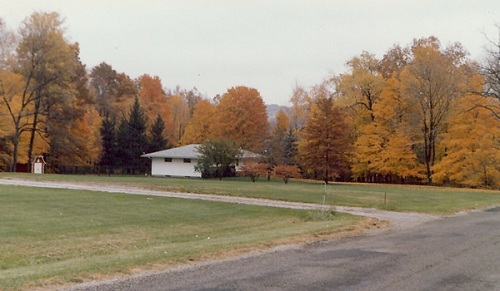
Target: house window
<point x="168" y="160"/>
<point x="187" y="161"/>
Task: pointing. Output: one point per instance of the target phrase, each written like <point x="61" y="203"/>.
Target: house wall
<point x="175" y="168"/>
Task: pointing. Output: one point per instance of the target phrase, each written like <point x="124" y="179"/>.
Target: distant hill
<point x="273" y="109"/>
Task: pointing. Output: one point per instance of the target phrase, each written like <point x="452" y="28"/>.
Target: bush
<point x="254" y="170"/>
<point x="286" y="172"/>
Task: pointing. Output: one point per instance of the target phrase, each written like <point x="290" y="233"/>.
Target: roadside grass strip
<point x="60" y="236"/>
<point x="56" y="236"/>
<point x="401" y="198"/>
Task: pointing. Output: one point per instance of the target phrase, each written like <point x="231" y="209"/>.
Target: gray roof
<point x="189" y="152"/>
<point x="250" y="155"/>
<point x="185" y="152"/>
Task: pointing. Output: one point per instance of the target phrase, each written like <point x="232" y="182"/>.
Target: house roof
<point x="250" y="155"/>
<point x="189" y="152"/>
<point x="184" y="152"/>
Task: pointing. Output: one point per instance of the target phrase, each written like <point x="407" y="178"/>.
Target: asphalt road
<point x="451" y="253"/>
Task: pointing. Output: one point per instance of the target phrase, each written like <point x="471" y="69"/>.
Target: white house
<point x="180" y="162"/>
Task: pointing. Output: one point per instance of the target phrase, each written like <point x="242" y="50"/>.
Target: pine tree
<point x="290" y="148"/>
<point x="276" y="144"/>
<point x="132" y="141"/>
<point x="108" y="137"/>
<point x="157" y="140"/>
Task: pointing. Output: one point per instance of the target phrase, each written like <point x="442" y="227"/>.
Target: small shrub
<point x="254" y="170"/>
<point x="286" y="172"/>
<point x="321" y="215"/>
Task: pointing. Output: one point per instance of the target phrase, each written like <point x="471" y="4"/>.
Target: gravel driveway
<point x="397" y="219"/>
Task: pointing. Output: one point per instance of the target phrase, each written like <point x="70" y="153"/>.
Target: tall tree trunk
<point x="427" y="153"/>
<point x="15" y="152"/>
<point x="33" y="129"/>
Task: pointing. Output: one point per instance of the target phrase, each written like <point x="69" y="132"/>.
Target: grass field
<point x="426" y="199"/>
<point x="56" y="236"/>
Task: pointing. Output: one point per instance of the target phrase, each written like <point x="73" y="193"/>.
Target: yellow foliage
<point x="472" y="143"/>
<point x="367" y="158"/>
<point x="176" y="122"/>
<point x="87" y="131"/>
<point x="199" y="128"/>
<point x="384" y="146"/>
<point x="361" y="87"/>
<point x="15" y="116"/>
<point x="282" y="121"/>
<point x="399" y="158"/>
<point x="301" y="103"/>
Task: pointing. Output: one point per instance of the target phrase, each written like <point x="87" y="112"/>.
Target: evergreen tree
<point x="276" y="144"/>
<point x="290" y="148"/>
<point x="132" y="141"/>
<point x="108" y="137"/>
<point x="122" y="149"/>
<point x="157" y="139"/>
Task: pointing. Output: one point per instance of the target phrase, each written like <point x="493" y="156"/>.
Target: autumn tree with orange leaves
<point x="325" y="142"/>
<point x="423" y="113"/>
<point x="254" y="170"/>
<point x="154" y="103"/>
<point x="150" y="92"/>
<point x="241" y="116"/>
<point x="74" y="128"/>
<point x="45" y="96"/>
<point x="286" y="172"/>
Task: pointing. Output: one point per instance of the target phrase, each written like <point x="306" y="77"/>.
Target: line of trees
<point x="123" y="145"/>
<point x="423" y="113"/>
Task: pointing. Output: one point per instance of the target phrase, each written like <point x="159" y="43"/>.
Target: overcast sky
<point x="268" y="45"/>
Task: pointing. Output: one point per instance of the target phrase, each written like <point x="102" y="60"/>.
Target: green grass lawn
<point x="427" y="199"/>
<point x="57" y="236"/>
<point x="53" y="236"/>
